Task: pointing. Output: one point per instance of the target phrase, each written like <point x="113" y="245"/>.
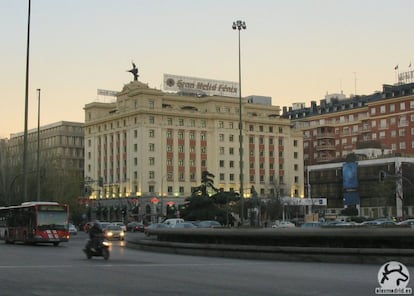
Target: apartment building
<point x="337" y="126"/>
<point x="150" y="143"/>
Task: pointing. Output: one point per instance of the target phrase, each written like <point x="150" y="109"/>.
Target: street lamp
<point x="240" y="25"/>
<point x="38" y="144"/>
<point x="26" y="109"/>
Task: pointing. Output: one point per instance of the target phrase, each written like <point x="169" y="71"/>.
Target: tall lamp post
<point x="38" y="144"/>
<point x="26" y="109"/>
<point x="240" y="25"/>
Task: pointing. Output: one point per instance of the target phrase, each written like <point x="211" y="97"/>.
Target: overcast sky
<point x="292" y="50"/>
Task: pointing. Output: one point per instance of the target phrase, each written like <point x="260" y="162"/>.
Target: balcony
<point x="324" y="147"/>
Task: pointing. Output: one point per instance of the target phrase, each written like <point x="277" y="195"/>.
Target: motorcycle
<point x="101" y="249"/>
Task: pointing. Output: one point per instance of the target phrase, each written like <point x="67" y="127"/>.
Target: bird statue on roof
<point x="134" y="71"/>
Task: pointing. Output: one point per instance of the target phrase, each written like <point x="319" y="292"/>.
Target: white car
<point x="284" y="224"/>
<point x="72" y="229"/>
<point x="123" y="226"/>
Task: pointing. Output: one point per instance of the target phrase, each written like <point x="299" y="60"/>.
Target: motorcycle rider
<point x="95" y="234"/>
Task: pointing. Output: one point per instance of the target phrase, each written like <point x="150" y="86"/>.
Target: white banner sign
<point x="200" y="86"/>
<point x="296" y="201"/>
<point x="109" y="93"/>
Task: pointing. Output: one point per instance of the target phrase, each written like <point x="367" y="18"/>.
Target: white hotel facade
<point x="150" y="143"/>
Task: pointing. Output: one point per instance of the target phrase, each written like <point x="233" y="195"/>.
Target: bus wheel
<point x="56" y="244"/>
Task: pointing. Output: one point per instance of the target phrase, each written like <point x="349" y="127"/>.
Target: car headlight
<point x="109" y="233"/>
<point x="122" y="233"/>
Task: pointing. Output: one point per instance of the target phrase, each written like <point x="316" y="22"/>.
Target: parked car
<point x="123" y="226"/>
<point x="209" y="224"/>
<point x="183" y="225"/>
<point x="407" y="223"/>
<point x="135" y="226"/>
<point x="171" y="222"/>
<point x="114" y="231"/>
<point x="72" y="229"/>
<point x="284" y="224"/>
<point x="311" y="225"/>
<point x="147" y="229"/>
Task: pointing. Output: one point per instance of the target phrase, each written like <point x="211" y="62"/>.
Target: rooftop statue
<point x="134" y="71"/>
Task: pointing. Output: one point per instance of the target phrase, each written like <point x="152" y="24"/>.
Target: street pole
<point x="26" y="109"/>
<point x="38" y="144"/>
<point x="240" y="25"/>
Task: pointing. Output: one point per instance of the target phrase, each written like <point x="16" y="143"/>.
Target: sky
<point x="292" y="50"/>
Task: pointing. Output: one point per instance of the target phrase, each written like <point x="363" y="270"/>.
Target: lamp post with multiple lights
<point x="240" y="25"/>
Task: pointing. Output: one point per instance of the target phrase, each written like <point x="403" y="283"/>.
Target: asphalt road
<point x="64" y="270"/>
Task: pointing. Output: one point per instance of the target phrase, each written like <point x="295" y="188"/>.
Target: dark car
<point x="209" y="224"/>
<point x="153" y="226"/>
<point x="135" y="226"/>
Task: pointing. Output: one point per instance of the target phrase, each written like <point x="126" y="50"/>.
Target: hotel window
<point x="231" y="164"/>
<point x="412" y="131"/>
<point x="270" y="141"/>
<point x="151" y="104"/>
<point x="181" y="122"/>
<point x="251" y="140"/>
<point x="221" y="137"/>
<point x="280" y="153"/>
<point x="383" y="123"/>
<point x="412" y="144"/>
<point x="392" y="107"/>
<point x="295" y="167"/>
<point x="280" y="129"/>
<point x="221" y="149"/>
<point x="218" y="109"/>
<point x="192" y="149"/>
<point x="170" y="189"/>
<point x="151" y="133"/>
<point x="382" y="109"/>
<point x="382" y="135"/>
<point x="169" y="148"/>
<point x="151" y="119"/>
<point x="192" y="123"/>
<point x="231" y="125"/>
<point x="260" y="128"/>
<point x="344" y="140"/>
<point x="203" y="123"/>
<point x="135" y="161"/>
<point x="192" y="162"/>
<point x="151" y="175"/>
<point x="169" y="161"/>
<point x="411" y="104"/>
<point x="203" y="162"/>
<point x="169" y="121"/>
<point x="412" y="117"/>
<point x="181" y="176"/>
<point x="192" y="176"/>
<point x="221" y="177"/>
<point x="181" y="189"/>
<point x="295" y="143"/>
<point x="354" y="140"/>
<point x="270" y="129"/>
<point x="261" y="166"/>
<point x="222" y="163"/>
<point x="402" y="145"/>
<point x="373" y="111"/>
<point x="181" y="162"/>
<point x="231" y="177"/>
<point x="295" y="155"/>
<point x="151" y="188"/>
<point x="169" y="134"/>
<point x="261" y="140"/>
<point x="394" y="133"/>
<point x="231" y="151"/>
<point x="135" y="133"/>
<point x="203" y="150"/>
<point x="192" y="136"/>
<point x="135" y="175"/>
<point x="280" y="142"/>
<point x="181" y="135"/>
<point x="401" y="132"/>
<point x="203" y="137"/>
<point x="392" y="121"/>
<point x="151" y="146"/>
<point x="151" y="160"/>
<point x="402" y="106"/>
<point x="251" y="127"/>
<point x="181" y="148"/>
<point x="231" y="138"/>
<point x="221" y="124"/>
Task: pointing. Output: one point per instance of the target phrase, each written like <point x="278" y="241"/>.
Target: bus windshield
<point x="52" y="220"/>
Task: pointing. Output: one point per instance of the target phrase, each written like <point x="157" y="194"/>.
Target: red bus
<point x="35" y="222"/>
